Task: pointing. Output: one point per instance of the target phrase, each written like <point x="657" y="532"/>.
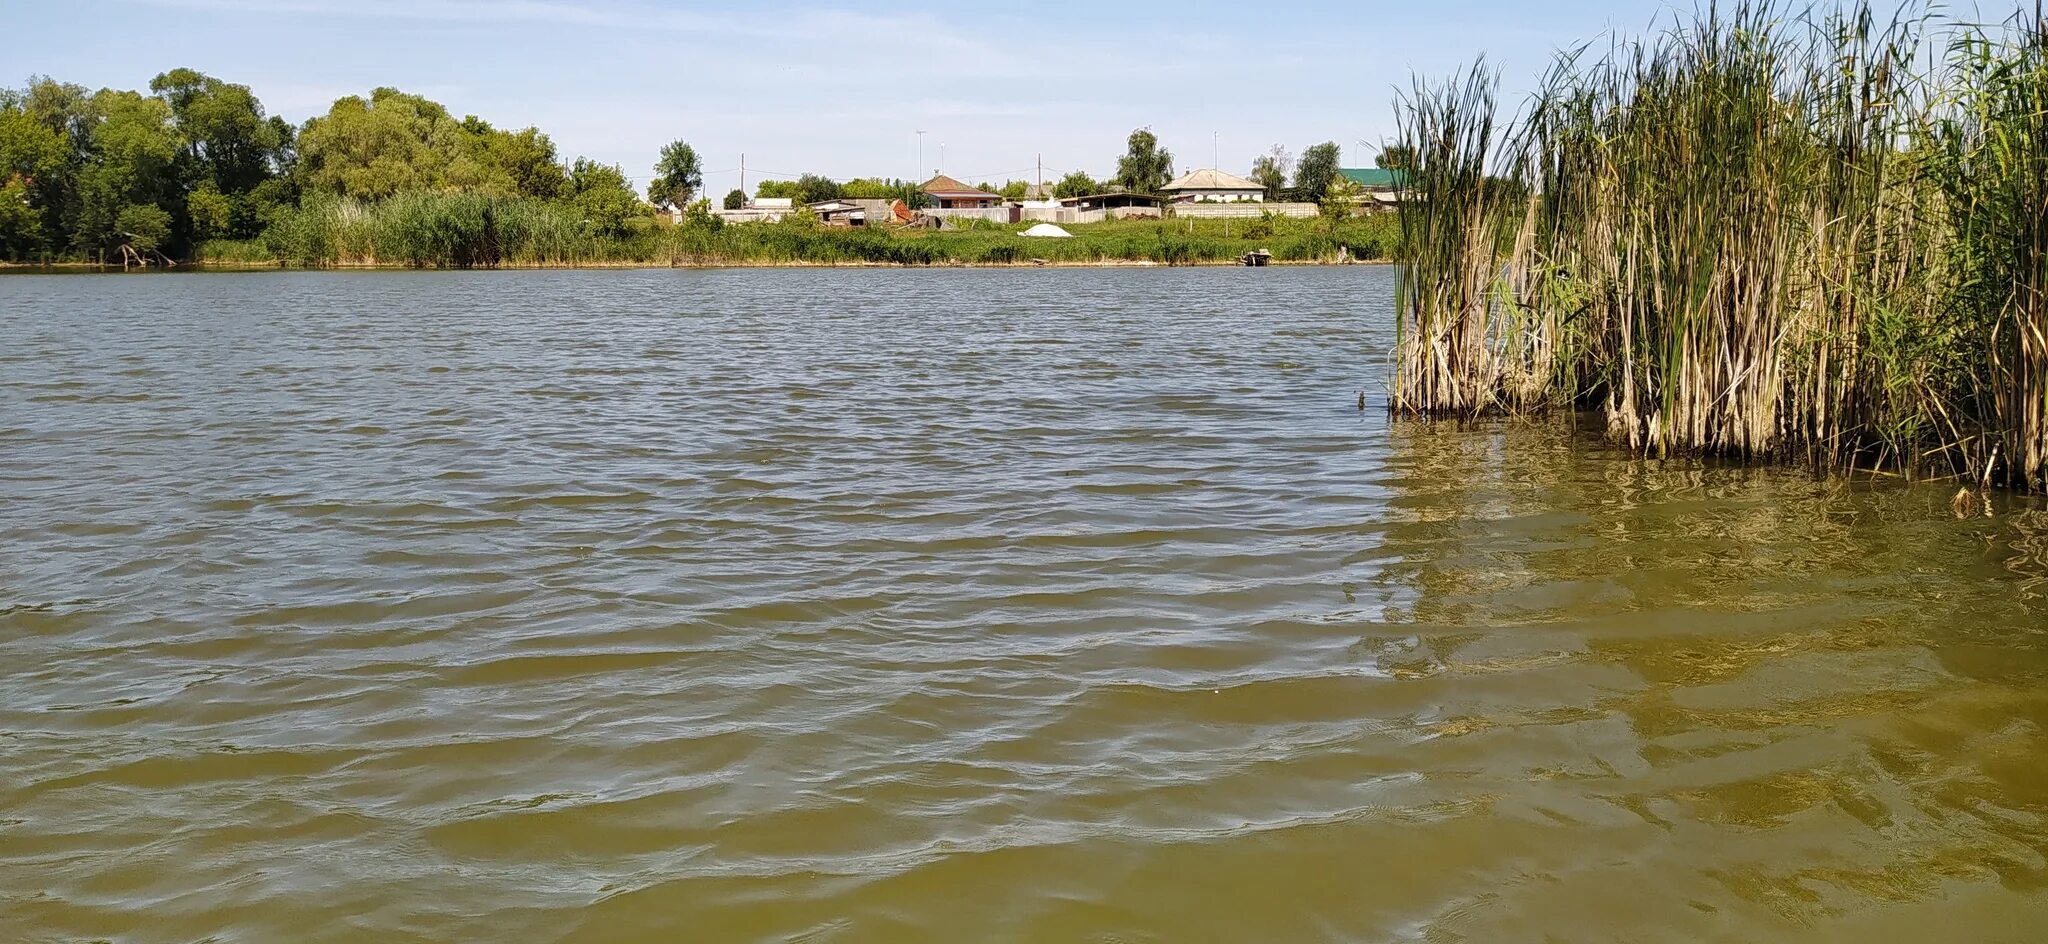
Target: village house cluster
<point x="1207" y="193"/>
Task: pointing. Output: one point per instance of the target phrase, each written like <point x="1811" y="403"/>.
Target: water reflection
<point x="1782" y="707"/>
<point x="2023" y="548"/>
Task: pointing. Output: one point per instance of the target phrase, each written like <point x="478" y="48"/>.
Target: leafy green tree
<point x="678" y="175"/>
<point x="1014" y="190"/>
<point x="1396" y="157"/>
<point x="515" y="163"/>
<point x="28" y="149"/>
<point x="1341" y="199"/>
<point x="210" y="211"/>
<point x="193" y="159"/>
<point x="1313" y="175"/>
<point x="809" y="188"/>
<point x="232" y="151"/>
<point x="286" y="135"/>
<point x="1145" y="166"/>
<point x="874" y="188"/>
<point x="812" y="188"/>
<point x="32" y="163"/>
<point x="1269" y="170"/>
<point x="257" y="209"/>
<point x="394" y="142"/>
<point x="21" y="227"/>
<point x="373" y="148"/>
<point x="735" y="199"/>
<point x="62" y="107"/>
<point x="130" y="162"/>
<point x="869" y="188"/>
<point x="227" y="139"/>
<point x="143" y="226"/>
<point x="699" y="216"/>
<point x="1076" y="184"/>
<point x="64" y="111"/>
<point x="604" y="195"/>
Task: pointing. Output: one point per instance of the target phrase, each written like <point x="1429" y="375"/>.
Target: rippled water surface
<point x="1022" y="605"/>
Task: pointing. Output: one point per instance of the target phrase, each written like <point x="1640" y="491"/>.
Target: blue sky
<point x="838" y="89"/>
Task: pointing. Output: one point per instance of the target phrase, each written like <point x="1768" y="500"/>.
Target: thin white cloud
<point x="487" y="11"/>
<point x="818" y="43"/>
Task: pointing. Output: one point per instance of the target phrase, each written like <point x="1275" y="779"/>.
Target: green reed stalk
<point x="1993" y="147"/>
<point x="1759" y="233"/>
<point x="1456" y="346"/>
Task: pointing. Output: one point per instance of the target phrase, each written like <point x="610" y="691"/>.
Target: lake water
<point x="1007" y="605"/>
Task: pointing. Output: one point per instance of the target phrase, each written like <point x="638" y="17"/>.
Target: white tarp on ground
<point x="1046" y="229"/>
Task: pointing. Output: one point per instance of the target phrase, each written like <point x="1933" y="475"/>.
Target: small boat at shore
<point x="1256" y="257"/>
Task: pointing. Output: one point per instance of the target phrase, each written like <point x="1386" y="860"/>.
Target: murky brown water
<point x="950" y="606"/>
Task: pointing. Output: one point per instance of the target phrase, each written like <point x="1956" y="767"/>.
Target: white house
<point x="1213" y="186"/>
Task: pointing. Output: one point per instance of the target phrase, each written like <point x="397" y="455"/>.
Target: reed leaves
<point x="1765" y="232"/>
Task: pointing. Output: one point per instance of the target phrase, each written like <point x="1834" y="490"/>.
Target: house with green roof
<point x="1374" y="178"/>
<point x="1379" y="187"/>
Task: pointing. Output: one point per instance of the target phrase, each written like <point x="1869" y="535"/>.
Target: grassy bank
<point x="1765" y="233"/>
<point x="458" y="230"/>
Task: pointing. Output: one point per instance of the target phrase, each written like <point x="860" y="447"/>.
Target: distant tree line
<point x="815" y="188"/>
<point x="84" y="174"/>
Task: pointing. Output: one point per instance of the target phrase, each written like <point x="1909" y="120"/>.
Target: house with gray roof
<point x="1209" y="185"/>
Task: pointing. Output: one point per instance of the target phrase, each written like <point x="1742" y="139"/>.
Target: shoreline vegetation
<point x="393" y="235"/>
<point x="194" y="171"/>
<point x="599" y="264"/>
<point x="1804" y="234"/>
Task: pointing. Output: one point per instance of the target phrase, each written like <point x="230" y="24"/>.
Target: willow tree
<point x="1145" y="166"/>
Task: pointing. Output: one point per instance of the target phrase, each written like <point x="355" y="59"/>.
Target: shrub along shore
<point x="1807" y="234"/>
<point x="458" y="230"/>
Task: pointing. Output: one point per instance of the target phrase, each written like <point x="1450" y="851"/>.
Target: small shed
<point x="840" y="213"/>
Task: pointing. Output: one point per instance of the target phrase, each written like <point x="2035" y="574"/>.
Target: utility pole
<point x="1216" y="149"/>
<point x="1041" y="176"/>
<point x="920" y="156"/>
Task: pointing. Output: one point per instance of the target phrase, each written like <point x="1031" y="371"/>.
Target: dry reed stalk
<point x="1754" y="234"/>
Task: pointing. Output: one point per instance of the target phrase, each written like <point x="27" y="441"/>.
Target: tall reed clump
<point x="446" y="229"/>
<point x="1452" y="323"/>
<point x="1993" y="170"/>
<point x="1761" y="234"/>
